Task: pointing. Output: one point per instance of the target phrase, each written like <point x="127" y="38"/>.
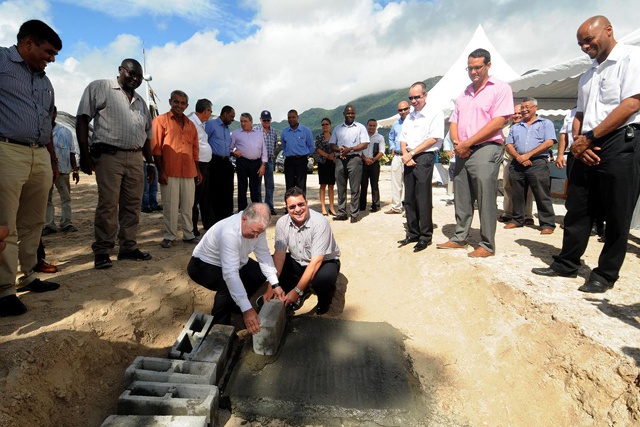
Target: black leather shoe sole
<point x="406" y="241"/>
<point x="550" y="272"/>
<point x="101" y="262"/>
<point x="340" y="218"/>
<point x="135" y="255"/>
<point x="594" y="287"/>
<point x="422" y="245"/>
<point x="11" y="306"/>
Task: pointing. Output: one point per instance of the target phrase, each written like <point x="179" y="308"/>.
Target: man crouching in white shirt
<point x="221" y="262"/>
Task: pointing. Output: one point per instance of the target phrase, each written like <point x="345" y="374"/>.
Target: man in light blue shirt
<point x="297" y="145"/>
<point x="218" y="193"/>
<point x="528" y="143"/>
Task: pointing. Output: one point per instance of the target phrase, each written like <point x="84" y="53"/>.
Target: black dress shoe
<point x="550" y="272"/>
<point x="273" y="212"/>
<point x="196" y="232"/>
<point x="354" y="219"/>
<point x="102" y="261"/>
<point x="595" y="287"/>
<point x="421" y="245"/>
<point x="38" y="285"/>
<point x="342" y="217"/>
<point x="406" y="241"/>
<point x="11" y="306"/>
<point x="375" y="209"/>
<point x="146" y="210"/>
<point x="136" y="255"/>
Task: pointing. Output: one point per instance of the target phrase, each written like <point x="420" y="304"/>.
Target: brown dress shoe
<point x="393" y="211"/>
<point x="44" y="267"/>
<point x="450" y="245"/>
<point x="511" y="226"/>
<point x="480" y="252"/>
<point x="546" y="231"/>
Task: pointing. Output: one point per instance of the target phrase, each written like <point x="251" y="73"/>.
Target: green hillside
<point x="378" y="106"/>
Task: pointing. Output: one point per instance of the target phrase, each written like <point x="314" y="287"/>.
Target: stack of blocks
<point x="182" y="390"/>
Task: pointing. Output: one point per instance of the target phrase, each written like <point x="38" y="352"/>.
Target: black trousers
<point x="538" y="178"/>
<point x="370" y="173"/>
<point x="323" y="283"/>
<point x="210" y="276"/>
<point x="247" y="171"/>
<point x="197" y="200"/>
<point x="418" y="198"/>
<point x="295" y="172"/>
<point x="217" y="203"/>
<point x="611" y="186"/>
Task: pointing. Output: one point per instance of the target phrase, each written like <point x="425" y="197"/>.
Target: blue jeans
<point x="268" y="184"/>
<point x="150" y="195"/>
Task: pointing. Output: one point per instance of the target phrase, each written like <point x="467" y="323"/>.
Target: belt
<point x="26" y="144"/>
<point x="541" y="156"/>
<point x="116" y="148"/>
<point x="351" y="156"/>
<point x="215" y="156"/>
<point x="297" y="157"/>
<point x="484" y="144"/>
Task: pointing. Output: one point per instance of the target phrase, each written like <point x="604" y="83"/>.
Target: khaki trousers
<point x="25" y="180"/>
<point x="177" y="200"/>
<point x="120" y="180"/>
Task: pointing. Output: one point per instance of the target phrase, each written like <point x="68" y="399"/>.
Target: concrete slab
<point x="273" y="319"/>
<point x="329" y="370"/>
<point x="170" y="371"/>
<point x="154" y="421"/>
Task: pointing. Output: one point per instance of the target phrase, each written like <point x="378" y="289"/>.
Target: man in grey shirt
<point x="119" y="146"/>
<point x="306" y="254"/>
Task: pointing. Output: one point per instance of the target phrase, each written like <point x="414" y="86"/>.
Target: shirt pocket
<point x="609" y="91"/>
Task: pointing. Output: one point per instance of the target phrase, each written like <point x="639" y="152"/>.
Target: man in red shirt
<point x="175" y="149"/>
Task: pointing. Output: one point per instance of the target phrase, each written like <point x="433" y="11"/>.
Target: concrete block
<point x="154" y="421"/>
<point x="170" y="371"/>
<point x="214" y="348"/>
<point x="272" y="322"/>
<point x="191" y="335"/>
<point x="147" y="398"/>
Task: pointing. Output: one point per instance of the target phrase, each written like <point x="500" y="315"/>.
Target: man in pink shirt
<point x="481" y="112"/>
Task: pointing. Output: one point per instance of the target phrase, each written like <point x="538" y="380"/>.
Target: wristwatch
<point x="412" y="152"/>
<point x="275" y="285"/>
<point x="298" y="291"/>
<point x="589" y="135"/>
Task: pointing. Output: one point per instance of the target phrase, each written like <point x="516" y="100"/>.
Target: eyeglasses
<point x="132" y="74"/>
<point x="470" y="69"/>
<point x="299" y="205"/>
<point x="411" y="98"/>
<point x="326" y="124"/>
<point x="402" y="110"/>
<point x="266" y="120"/>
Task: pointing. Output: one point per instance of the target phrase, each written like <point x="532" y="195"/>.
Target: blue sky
<point x="283" y="54"/>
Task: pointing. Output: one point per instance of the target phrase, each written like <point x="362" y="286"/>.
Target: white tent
<point x="556" y="87"/>
<point x="445" y="92"/>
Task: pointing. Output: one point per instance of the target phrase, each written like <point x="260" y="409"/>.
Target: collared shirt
<point x="178" y="145"/>
<point x="394" y="136"/>
<point x="219" y="137"/>
<point x="525" y="138"/>
<point x="270" y="140"/>
<point x="604" y="86"/>
<point x="422" y="125"/>
<point x="349" y="135"/>
<point x="375" y="146"/>
<point x="567" y="127"/>
<point x="250" y="143"/>
<point x="297" y="142"/>
<point x="204" y="153"/>
<point x="224" y="246"/>
<point x="63" y="146"/>
<point x="26" y="100"/>
<point x="473" y="111"/>
<point x="311" y="239"/>
<point x="116" y="120"/>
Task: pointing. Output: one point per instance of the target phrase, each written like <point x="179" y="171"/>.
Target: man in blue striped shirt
<point x="28" y="168"/>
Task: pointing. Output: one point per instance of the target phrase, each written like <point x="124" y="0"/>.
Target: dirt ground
<point x="491" y="343"/>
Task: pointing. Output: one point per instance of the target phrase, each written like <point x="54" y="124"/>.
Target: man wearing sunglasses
<point x="306" y="256"/>
<point x="120" y="146"/>
<point x="480" y="113"/>
<point x="397" y="167"/>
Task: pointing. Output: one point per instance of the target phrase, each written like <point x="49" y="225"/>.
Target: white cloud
<point x="323" y="53"/>
<point x="14" y="12"/>
<point x="191" y="9"/>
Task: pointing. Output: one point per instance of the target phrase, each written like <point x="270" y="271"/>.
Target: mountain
<point x="377" y="106"/>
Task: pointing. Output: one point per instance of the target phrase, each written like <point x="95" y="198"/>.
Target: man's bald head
<point x="595" y="37"/>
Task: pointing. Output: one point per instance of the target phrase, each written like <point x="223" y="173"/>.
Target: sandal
<point x="166" y="243"/>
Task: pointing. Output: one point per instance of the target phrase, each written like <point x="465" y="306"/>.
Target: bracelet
<point x="298" y="291"/>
